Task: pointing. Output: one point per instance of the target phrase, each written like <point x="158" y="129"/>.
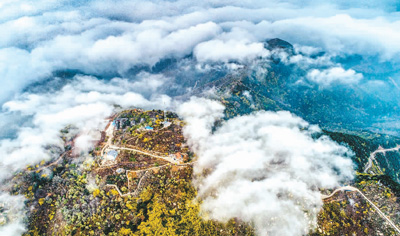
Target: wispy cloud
<point x="334" y="75"/>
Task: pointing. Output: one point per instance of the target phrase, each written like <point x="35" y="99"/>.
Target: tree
<point x="159" y="221"/>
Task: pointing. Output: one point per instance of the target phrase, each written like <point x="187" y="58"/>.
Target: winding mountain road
<point x="353" y="189"/>
<point x="344" y="188"/>
<point x="373" y="154"/>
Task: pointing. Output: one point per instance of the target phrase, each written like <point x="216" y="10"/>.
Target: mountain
<point x="139" y="178"/>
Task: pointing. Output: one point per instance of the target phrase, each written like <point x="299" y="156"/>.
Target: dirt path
<point x="135" y="193"/>
<point x="51" y="164"/>
<point x="110" y="134"/>
<point x="140" y="181"/>
<point x="166" y="158"/>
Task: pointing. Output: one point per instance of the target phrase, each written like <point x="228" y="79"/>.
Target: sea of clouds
<point x="102" y="41"/>
<point x="110" y="37"/>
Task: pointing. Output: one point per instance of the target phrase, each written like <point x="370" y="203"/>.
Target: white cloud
<point x="220" y="51"/>
<point x="149" y="46"/>
<point x="13" y="212"/>
<point x="72" y="105"/>
<point x="341" y="34"/>
<point x="110" y="37"/>
<point x="263" y="168"/>
<point x="18" y="68"/>
<point x="102" y="37"/>
<point x="334" y="75"/>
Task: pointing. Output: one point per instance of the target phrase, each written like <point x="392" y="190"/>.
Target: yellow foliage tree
<point x="96" y="192"/>
<point x="41" y="201"/>
<point x="125" y="231"/>
<point x="159" y="222"/>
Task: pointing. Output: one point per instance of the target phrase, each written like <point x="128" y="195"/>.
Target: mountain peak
<point x="277" y="43"/>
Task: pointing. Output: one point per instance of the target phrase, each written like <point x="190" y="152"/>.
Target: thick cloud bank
<point x="264" y="168"/>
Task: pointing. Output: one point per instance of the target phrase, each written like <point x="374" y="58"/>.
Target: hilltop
<point x="138" y="181"/>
